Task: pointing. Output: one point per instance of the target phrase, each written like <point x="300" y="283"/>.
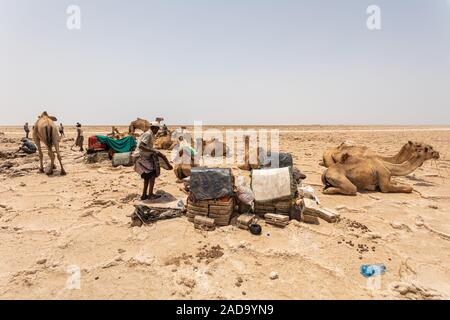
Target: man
<point x="61" y="130"/>
<point x="184" y="158"/>
<point x="80" y="138"/>
<point x="27" y="146"/>
<point x="26" y="129"/>
<point x="147" y="163"/>
<point x="165" y="130"/>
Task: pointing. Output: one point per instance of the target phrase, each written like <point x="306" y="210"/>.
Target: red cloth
<point x="94" y="144"/>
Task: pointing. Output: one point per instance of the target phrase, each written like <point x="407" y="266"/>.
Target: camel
<point x="140" y="124"/>
<point x="45" y="130"/>
<point x="353" y="173"/>
<point x="116" y="134"/>
<point x="165" y="142"/>
<point x="247" y="166"/>
<point x="210" y="147"/>
<point x="334" y="155"/>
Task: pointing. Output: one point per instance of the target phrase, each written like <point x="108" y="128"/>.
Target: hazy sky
<point x="226" y="61"/>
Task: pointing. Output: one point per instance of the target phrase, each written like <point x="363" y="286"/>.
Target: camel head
<point x="413" y="148"/>
<point x="426" y="151"/>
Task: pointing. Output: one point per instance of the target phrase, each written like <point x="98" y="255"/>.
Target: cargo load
<point x="273" y="184"/>
<point x="122" y="159"/>
<point x="211" y="183"/>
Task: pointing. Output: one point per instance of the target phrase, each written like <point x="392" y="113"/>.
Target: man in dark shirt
<point x="165" y="130"/>
<point x="61" y="130"/>
<point x="26" y="129"/>
<point x="27" y="146"/>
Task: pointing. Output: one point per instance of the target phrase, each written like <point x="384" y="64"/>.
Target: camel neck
<point x="406" y="167"/>
<point x="401" y="156"/>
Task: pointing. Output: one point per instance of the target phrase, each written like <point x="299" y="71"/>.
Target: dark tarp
<point x="211" y="183"/>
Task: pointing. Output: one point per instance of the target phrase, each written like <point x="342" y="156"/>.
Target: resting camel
<point x="247" y="165"/>
<point x="334" y="155"/>
<point x="354" y="173"/>
<point x="165" y="142"/>
<point x="45" y="130"/>
<point x="210" y="147"/>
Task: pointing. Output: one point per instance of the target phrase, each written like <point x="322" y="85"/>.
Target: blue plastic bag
<point x="369" y="270"/>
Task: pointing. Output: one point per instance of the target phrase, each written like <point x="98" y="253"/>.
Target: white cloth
<point x="147" y="138"/>
<point x="271" y="184"/>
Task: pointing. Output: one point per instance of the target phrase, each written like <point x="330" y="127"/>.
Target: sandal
<point x="154" y="196"/>
<point x="145" y="197"/>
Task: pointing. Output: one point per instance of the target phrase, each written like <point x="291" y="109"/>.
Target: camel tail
<point x="48" y="136"/>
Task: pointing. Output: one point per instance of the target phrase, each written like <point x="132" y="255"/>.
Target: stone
<point x="273" y="275"/>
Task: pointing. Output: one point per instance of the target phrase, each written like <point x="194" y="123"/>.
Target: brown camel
<point x="334" y="155"/>
<point x="247" y="165"/>
<point x="140" y="124"/>
<point x="213" y="146"/>
<point x="165" y="142"/>
<point x="371" y="173"/>
<point x="45" y="130"/>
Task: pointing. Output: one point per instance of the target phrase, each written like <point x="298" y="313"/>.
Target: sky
<point x="226" y="62"/>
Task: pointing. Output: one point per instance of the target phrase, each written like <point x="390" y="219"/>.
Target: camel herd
<point x="349" y="167"/>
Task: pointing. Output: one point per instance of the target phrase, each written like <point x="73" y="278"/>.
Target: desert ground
<point x="49" y="224"/>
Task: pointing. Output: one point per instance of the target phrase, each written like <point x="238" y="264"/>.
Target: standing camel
<point x="140" y="124"/>
<point x="45" y="130"/>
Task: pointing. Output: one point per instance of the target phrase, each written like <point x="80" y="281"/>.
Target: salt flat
<point x="48" y="224"/>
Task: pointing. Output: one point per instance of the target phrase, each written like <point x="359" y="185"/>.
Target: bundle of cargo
<point x="199" y="208"/>
<point x="94" y="145"/>
<point x="274" y="190"/>
<point x="220" y="210"/>
<point x="211" y="195"/>
<point x="245" y="220"/>
<point x="277" y="219"/>
<point x="204" y="223"/>
<point x="95" y="157"/>
<point x="283" y="206"/>
<point x="311" y="211"/>
<point x="122" y="159"/>
<point x="284" y="160"/>
<point x="144" y="214"/>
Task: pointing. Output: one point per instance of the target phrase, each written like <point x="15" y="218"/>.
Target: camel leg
<point x="386" y="185"/>
<point x="340" y="184"/>
<point x="58" y="154"/>
<point x="41" y="155"/>
<point x="327" y="159"/>
<point x="52" y="160"/>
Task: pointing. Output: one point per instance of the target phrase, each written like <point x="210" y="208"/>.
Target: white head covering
<point x="154" y="124"/>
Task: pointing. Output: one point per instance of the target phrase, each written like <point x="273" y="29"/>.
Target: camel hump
<point x="45" y="114"/>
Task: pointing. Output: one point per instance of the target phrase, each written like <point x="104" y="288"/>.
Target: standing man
<point x="80" y="138"/>
<point x="61" y="130"/>
<point x="147" y="164"/>
<point x="26" y="129"/>
<point x="165" y="130"/>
